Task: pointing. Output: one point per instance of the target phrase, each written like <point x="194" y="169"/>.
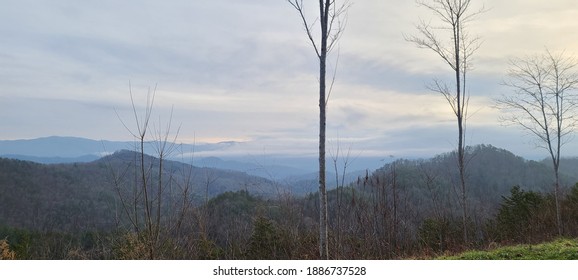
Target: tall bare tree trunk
<point x="460" y="113"/>
<point x="328" y="15"/>
<point x="454" y="14"/>
<point x="323" y="232"/>
<point x="556" y="197"/>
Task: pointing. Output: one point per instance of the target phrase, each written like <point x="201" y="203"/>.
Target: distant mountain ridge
<point x="73" y="196"/>
<point x="222" y="155"/>
<point x="261" y="170"/>
<point x="73" y="147"/>
<point x="57" y="149"/>
<point x="54" y="160"/>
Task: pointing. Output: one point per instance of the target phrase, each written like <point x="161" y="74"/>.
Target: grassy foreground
<point x="560" y="249"/>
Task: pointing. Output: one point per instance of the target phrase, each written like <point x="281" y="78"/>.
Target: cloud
<point x="245" y="71"/>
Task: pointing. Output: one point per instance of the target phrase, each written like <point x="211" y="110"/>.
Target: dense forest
<point x="406" y="209"/>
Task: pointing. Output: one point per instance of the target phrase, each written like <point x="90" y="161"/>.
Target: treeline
<point x="242" y="226"/>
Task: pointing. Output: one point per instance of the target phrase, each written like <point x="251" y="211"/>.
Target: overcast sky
<point x="245" y="71"/>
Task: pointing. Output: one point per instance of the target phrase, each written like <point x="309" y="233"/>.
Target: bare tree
<point x="454" y="16"/>
<point x="332" y="23"/>
<point x="543" y="103"/>
<point x="339" y="187"/>
<point x="147" y="200"/>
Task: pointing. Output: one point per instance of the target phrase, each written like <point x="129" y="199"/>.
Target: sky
<point x="245" y="71"/>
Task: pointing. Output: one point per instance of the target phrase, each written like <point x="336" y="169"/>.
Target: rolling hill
<point x="490" y="174"/>
<point x="86" y="195"/>
<point x="77" y="196"/>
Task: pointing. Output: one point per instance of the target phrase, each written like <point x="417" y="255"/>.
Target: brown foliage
<point x="5" y="252"/>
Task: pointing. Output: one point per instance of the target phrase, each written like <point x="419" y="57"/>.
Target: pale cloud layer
<point x="245" y="71"/>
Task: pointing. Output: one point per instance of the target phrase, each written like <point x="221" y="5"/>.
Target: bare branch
<point x="332" y="79"/>
<point x="338" y="16"/>
<point x="298" y="5"/>
<point x="428" y="40"/>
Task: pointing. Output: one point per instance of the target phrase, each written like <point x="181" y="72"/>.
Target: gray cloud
<point x="244" y="70"/>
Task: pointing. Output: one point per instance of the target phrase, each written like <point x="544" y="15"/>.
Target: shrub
<point x="517" y="215"/>
<point x="440" y="234"/>
<point x="267" y="242"/>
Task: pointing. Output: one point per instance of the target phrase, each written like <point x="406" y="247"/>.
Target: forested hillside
<point x="85" y="196"/>
<point x="491" y="173"/>
<point x="405" y="208"/>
